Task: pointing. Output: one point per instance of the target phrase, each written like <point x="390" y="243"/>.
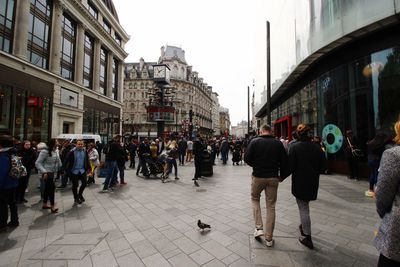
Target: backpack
<point x="16" y="168"/>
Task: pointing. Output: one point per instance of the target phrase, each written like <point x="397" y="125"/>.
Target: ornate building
<point x="61" y="65"/>
<point x="224" y="121"/>
<point x="187" y="91"/>
<point x="215" y="114"/>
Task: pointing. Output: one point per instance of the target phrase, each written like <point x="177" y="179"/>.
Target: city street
<point x="148" y="223"/>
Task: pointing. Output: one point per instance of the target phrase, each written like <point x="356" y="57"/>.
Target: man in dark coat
<point x="268" y="158"/>
<point x="198" y="148"/>
<point x="306" y="162"/>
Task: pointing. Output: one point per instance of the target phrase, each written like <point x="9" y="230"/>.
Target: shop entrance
<point x="283" y="127"/>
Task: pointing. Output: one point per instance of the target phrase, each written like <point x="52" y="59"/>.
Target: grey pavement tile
<point x="198" y="236"/>
<point x="214" y="263"/>
<point x="10" y="256"/>
<point x="143" y="248"/>
<point x="129" y="260"/>
<point x="134" y="236"/>
<point x="63" y="252"/>
<point x="156" y="260"/>
<point x="240" y="249"/>
<point x="201" y="256"/>
<point x="171" y="253"/>
<point x="271" y="257"/>
<point x="80" y="239"/>
<point x="231" y="259"/>
<point x="104" y="258"/>
<point x="118" y="245"/>
<point x="85" y="262"/>
<point x="124" y="252"/>
<point x="171" y="233"/>
<point x="216" y="249"/>
<point x="221" y="238"/>
<point x="182" y="260"/>
<point x="55" y="263"/>
<point x="186" y="245"/>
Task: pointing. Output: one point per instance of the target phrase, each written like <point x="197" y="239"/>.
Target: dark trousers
<point x="172" y="162"/>
<point x="182" y="157"/>
<point x="353" y="167"/>
<point x="7" y="200"/>
<point x="198" y="167"/>
<point x="132" y="165"/>
<point x="386" y="262"/>
<point x="75" y="178"/>
<point x="121" y="169"/>
<point x="49" y="189"/>
<point x="22" y="185"/>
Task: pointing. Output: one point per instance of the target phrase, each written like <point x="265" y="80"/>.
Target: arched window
<point x="141" y="85"/>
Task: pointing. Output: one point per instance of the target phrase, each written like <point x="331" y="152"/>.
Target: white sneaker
<point x="269" y="243"/>
<point x="258" y="233"/>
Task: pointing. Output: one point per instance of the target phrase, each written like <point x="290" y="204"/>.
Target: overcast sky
<point x="224" y="40"/>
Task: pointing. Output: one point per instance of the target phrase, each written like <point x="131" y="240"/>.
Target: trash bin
<point x="207" y="166"/>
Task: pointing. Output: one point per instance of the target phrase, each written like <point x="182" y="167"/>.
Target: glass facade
<point x="88" y="61"/>
<point x="361" y="95"/>
<point x="99" y="122"/>
<point x="24" y="114"/>
<point x="6" y="24"/>
<point x="67" y="47"/>
<point x="39" y="32"/>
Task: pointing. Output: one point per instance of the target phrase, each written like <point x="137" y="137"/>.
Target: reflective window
<point x="67" y="47"/>
<point x="6" y="24"/>
<point x="106" y="26"/>
<point x="93" y="10"/>
<point x="103" y="71"/>
<point x="88" y="61"/>
<point x="118" y="39"/>
<point x="39" y="32"/>
<point x="114" y="79"/>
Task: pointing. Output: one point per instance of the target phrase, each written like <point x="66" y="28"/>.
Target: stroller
<point x="155" y="166"/>
<point x="236" y="155"/>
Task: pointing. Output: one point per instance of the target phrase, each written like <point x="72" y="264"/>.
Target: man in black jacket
<point x="114" y="148"/>
<point x="268" y="158"/>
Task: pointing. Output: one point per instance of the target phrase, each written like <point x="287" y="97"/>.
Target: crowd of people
<point x="272" y="160"/>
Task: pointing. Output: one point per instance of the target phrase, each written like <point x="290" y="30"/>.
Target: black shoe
<point x="3" y="228"/>
<point x="25" y="201"/>
<point x="77" y="201"/>
<point x="13" y="224"/>
<point x="82" y="198"/>
<point x="61" y="186"/>
<point x="196" y="183"/>
<point x="306" y="241"/>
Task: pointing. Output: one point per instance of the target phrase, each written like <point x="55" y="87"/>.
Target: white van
<point x="87" y="138"/>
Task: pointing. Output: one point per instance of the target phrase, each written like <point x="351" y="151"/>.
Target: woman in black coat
<point x="306" y="162"/>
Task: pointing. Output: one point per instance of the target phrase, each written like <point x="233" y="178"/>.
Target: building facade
<point x="345" y="74"/>
<point x="224" y="121"/>
<point x="186" y="92"/>
<point x="61" y="65"/>
<point x="240" y="130"/>
<point x="215" y="114"/>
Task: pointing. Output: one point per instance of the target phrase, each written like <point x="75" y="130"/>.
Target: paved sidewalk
<point x="147" y="223"/>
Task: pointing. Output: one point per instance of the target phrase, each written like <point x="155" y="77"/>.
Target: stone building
<point x="224" y="121"/>
<point x="61" y="65"/>
<point x="215" y="114"/>
<point x="187" y="91"/>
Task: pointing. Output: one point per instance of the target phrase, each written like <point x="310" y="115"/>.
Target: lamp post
<point x="190" y="123"/>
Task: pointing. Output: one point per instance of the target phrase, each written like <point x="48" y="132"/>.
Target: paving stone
<point x="104" y="258"/>
<point x="182" y="260"/>
<point x="201" y="256"/>
<point x="129" y="260"/>
<point x="156" y="260"/>
<point x="216" y="249"/>
<point x="186" y="245"/>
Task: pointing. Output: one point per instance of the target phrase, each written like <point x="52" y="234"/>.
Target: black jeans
<point x="7" y="199"/>
<point x="49" y="189"/>
<point x="132" y="165"/>
<point x="182" y="156"/>
<point x="353" y="167"/>
<point x="386" y="262"/>
<point x="198" y="167"/>
<point x="75" y="178"/>
<point x="22" y="185"/>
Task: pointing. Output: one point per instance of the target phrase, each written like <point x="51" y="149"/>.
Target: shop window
<point x="5" y="107"/>
<point x="67" y="47"/>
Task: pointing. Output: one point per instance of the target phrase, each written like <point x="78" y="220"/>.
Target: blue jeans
<point x="373" y="177"/>
<point x="112" y="170"/>
<point x="172" y="162"/>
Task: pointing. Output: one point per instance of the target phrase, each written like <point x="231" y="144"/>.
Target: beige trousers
<point x="270" y="186"/>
